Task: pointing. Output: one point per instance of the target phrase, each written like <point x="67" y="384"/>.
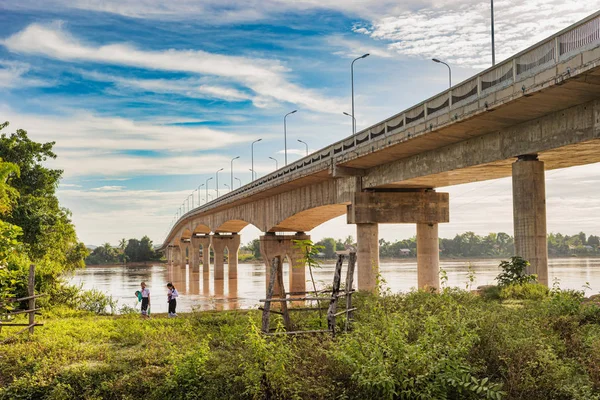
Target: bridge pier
<point x="428" y="256"/>
<point x="176" y="254"/>
<point x="280" y="246"/>
<point x="219" y="244"/>
<point x="426" y="208"/>
<point x="185" y="252"/>
<point x="367" y="255"/>
<point x="529" y="214"/>
<point x="204" y="241"/>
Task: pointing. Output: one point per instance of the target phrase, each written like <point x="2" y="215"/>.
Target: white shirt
<point x="145" y="292"/>
<point x="174" y="293"/>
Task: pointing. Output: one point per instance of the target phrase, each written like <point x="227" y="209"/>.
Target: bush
<point x="514" y="272"/>
<point x="96" y="302"/>
<point x="523" y="291"/>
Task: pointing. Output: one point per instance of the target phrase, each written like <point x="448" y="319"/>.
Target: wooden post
<point x="31" y="289"/>
<point x="267" y="308"/>
<point x="337" y="277"/>
<point x="349" y="284"/>
<point x="284" y="307"/>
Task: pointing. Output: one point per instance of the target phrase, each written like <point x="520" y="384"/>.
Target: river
<point x="206" y="294"/>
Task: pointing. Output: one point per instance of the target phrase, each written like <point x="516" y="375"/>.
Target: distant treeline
<point x="467" y="244"/>
<point x="132" y="250"/>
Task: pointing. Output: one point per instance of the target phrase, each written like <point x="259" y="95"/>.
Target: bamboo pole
<point x="337" y="277"/>
<point x="31" y="287"/>
<point x="349" y="289"/>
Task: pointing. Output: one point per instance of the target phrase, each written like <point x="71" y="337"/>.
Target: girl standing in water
<point x="172" y="299"/>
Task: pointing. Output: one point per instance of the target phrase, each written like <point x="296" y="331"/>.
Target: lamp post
<point x="192" y="196"/>
<point x="239" y="180"/>
<point x="449" y="70"/>
<point x="352" y="83"/>
<point x="217" y="181"/>
<point x="207" y="188"/>
<point x="274" y="159"/>
<point x="235" y="158"/>
<point x="285" y="134"/>
<point x="199" y="194"/>
<point x="493" y="48"/>
<point x="252" y="152"/>
<point x="227" y="186"/>
<point x="302" y="141"/>
<point x="353" y="119"/>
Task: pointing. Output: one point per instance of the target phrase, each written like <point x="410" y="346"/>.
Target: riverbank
<point x="453" y="345"/>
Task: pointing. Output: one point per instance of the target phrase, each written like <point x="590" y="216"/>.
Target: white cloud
<point x="460" y="32"/>
<point x="83" y="130"/>
<point x="192" y="88"/>
<point x="109" y="188"/>
<point x="264" y="77"/>
<point x="351" y="48"/>
<point x="12" y="75"/>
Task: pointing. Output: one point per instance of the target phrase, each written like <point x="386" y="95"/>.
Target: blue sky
<point x="146" y="100"/>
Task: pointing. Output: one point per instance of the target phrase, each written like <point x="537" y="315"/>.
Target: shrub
<point x="514" y="272"/>
<point x="96" y="302"/>
<point x="523" y="291"/>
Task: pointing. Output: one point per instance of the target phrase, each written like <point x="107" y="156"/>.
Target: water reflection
<point x="198" y="288"/>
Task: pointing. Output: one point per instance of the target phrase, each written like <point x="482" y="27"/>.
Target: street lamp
<point x="252" y="152"/>
<point x="217" y="188"/>
<point x="353" y="121"/>
<point x="227" y="186"/>
<point x="285" y="134"/>
<point x="352" y="83"/>
<point x="493" y="49"/>
<point x="239" y="180"/>
<point x="449" y="70"/>
<point x="192" y="196"/>
<point x="274" y="159"/>
<point x="207" y="188"/>
<point x="199" y="194"/>
<point x="302" y="141"/>
<point x="235" y="158"/>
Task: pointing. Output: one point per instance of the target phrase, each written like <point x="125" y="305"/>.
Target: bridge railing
<point x="565" y="44"/>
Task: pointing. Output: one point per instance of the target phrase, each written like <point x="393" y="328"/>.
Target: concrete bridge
<point x="536" y="111"/>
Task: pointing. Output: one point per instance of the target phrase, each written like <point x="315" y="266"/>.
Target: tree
<point x="329" y="247"/>
<point x="593" y="241"/>
<point x="122" y="245"/>
<point x="47" y="229"/>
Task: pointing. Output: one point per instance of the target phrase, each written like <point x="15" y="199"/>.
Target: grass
<point x="418" y="345"/>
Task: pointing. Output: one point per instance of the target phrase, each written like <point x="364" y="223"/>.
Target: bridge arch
<point x="185" y="234"/>
<point x="232" y="226"/>
<point x="307" y="220"/>
<point x="202" y="228"/>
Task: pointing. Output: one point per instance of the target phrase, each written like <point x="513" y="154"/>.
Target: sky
<point x="147" y="99"/>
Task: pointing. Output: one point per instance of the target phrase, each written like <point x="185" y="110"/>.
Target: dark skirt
<point x="145" y="302"/>
<point x="172" y="306"/>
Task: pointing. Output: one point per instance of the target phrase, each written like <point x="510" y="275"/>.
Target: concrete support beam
<point x="399" y="207"/>
<point x="204" y="242"/>
<point x="367" y="256"/>
<point x="529" y="214"/>
<point x="185" y="252"/>
<point x="272" y="246"/>
<point x="428" y="257"/>
<point x="176" y="255"/>
<point x="194" y="254"/>
<point x="338" y="171"/>
<point x="232" y="244"/>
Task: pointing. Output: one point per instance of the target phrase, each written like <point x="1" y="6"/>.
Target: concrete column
<point x="194" y="254"/>
<point x="272" y="246"/>
<point x="529" y="214"/>
<point x="233" y="247"/>
<point x="428" y="257"/>
<point x="367" y="256"/>
<point x="176" y="255"/>
<point x="219" y="251"/>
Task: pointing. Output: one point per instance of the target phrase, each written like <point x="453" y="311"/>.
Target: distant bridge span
<point x="536" y="111"/>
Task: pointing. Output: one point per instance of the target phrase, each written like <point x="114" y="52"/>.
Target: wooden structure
<point x="276" y="279"/>
<point x="6" y="318"/>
